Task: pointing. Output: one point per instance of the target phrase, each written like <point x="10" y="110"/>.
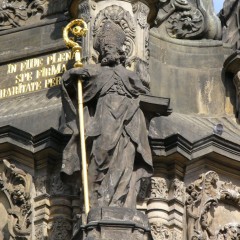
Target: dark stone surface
<point x="45" y="37"/>
<point x="34" y="113"/>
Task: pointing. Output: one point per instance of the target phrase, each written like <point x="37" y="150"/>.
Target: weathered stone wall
<point x="190" y="73"/>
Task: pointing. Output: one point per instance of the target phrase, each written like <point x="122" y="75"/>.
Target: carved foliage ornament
<point x="16" y="185"/>
<point x="14" y="13"/>
<point x="204" y="196"/>
<point x="159" y="188"/>
<point x="230" y="231"/>
<point x="177" y="190"/>
<point x="161" y="232"/>
<point x="120" y="17"/>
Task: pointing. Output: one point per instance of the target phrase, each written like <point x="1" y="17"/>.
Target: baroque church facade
<point x="187" y="59"/>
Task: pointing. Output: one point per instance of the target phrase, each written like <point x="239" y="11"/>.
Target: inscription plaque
<point x="32" y="74"/>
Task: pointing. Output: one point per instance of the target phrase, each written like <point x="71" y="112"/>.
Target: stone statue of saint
<point x="115" y="127"/>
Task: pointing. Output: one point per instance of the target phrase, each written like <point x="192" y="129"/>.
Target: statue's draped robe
<point x="120" y="153"/>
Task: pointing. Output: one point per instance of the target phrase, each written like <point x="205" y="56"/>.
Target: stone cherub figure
<point x="115" y="127"/>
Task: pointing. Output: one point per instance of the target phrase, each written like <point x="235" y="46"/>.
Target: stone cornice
<point x="21" y="139"/>
<point x="12" y="138"/>
<point x="212" y="143"/>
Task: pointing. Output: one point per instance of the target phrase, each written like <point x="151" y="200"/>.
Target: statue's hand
<point x="74" y="74"/>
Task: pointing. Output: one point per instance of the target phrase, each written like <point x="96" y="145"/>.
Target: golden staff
<point x="79" y="28"/>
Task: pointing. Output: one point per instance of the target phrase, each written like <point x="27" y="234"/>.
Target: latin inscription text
<point x="33" y="74"/>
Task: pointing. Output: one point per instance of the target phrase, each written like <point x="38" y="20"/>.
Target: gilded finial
<point x="79" y="29"/>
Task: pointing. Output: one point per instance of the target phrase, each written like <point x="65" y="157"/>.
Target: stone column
<point x="166" y="208"/>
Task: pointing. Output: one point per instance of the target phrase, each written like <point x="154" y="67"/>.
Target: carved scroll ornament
<point x="16" y="185"/>
<point x="205" y="195"/>
<point x="14" y="13"/>
<point x="161" y="188"/>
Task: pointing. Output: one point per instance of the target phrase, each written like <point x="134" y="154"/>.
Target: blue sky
<point x="218" y="5"/>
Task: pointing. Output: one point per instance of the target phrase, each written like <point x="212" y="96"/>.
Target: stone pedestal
<point x="114" y="223"/>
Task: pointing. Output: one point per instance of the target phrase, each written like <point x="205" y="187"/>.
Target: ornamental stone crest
<point x="186" y="19"/>
<point x="15" y="186"/>
<point x="185" y="24"/>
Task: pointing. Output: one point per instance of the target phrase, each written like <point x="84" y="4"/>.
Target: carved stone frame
<point x="204" y="196"/>
<point x="15" y="184"/>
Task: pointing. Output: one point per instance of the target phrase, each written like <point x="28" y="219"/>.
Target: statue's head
<point x="109" y="43"/>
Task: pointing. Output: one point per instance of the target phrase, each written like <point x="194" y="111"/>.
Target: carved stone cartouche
<point x="184" y="19"/>
<point x="15" y="184"/>
<point x="207" y="199"/>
